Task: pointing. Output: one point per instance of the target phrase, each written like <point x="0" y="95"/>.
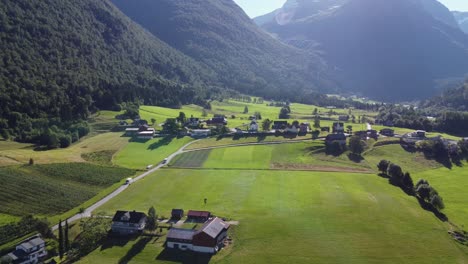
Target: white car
<point x="149" y="167"/>
<point x="165" y="161"/>
<point x="128" y="181"/>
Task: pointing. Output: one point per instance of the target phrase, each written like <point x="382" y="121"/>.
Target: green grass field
<point x="450" y="183"/>
<point x="292" y="217"/>
<point x="293" y="156"/>
<point x="139" y="154"/>
<point x="12" y="153"/>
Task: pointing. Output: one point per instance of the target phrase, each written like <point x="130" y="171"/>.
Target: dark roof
<point x="280" y="122"/>
<point x="214" y="227"/>
<point x="128" y="217"/>
<point x="177" y="211"/>
<point x="332" y="137"/>
<point x="17" y="254"/>
<point x="192" y="213"/>
<point x="178" y="233"/>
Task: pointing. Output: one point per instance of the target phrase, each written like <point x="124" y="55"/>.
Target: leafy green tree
<point x="315" y="134"/>
<point x="437" y="202"/>
<point x="204" y="113"/>
<point x="349" y="129"/>
<point x="181" y="118"/>
<point x="383" y="166"/>
<point x="93" y="230"/>
<point x="6" y="260"/>
<point x="317" y="121"/>
<point x="246" y="110"/>
<point x="31" y="161"/>
<point x="408" y="182"/>
<point x="153" y="121"/>
<point x="171" y="126"/>
<point x="266" y="124"/>
<point x="284" y="113"/>
<point x="152" y="219"/>
<point x="315" y="112"/>
<point x="356" y="145"/>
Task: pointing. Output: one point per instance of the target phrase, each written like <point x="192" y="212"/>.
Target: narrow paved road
<point x="87" y="212"/>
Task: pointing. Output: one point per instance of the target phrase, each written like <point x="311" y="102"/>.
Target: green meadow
<point x="140" y="153"/>
<point x="290" y="217"/>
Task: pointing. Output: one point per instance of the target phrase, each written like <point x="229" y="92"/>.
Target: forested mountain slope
<point x="220" y="35"/>
<point x="389" y="50"/>
<point x="451" y="99"/>
<point x="61" y="59"/>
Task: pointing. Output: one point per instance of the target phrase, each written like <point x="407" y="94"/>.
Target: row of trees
<point x="422" y="189"/>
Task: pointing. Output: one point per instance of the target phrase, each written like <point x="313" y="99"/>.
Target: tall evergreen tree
<point x="60" y="240"/>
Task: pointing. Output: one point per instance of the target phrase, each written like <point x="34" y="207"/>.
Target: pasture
<point x="288" y="156"/>
<point x="290" y="217"/>
<point x="12" y="153"/>
<point x="140" y="153"/>
<point x="450" y="183"/>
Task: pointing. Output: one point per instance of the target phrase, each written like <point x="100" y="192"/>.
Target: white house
<point x="30" y="251"/>
<point x="200" y="133"/>
<point x="126" y="222"/>
<point x="253" y="127"/>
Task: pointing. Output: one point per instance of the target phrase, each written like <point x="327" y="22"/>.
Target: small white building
<point x="200" y="133"/>
<point x="30" y="251"/>
<point x="253" y="127"/>
<point x="127" y="222"/>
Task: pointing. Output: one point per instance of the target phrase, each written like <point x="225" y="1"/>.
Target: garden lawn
<point x="291" y="217"/>
<point x="139" y="154"/>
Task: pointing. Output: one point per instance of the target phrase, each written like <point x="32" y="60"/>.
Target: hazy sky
<point x="255" y="8"/>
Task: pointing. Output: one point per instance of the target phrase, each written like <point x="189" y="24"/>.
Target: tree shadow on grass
<point x="177" y="256"/>
<point x="135" y="250"/>
<point x="355" y="158"/>
<point x="116" y="241"/>
<point x="429" y="207"/>
<point x="163" y="142"/>
<point x="138" y="140"/>
<point x="261" y="137"/>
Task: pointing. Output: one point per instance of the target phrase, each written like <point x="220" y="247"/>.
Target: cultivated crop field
<point x="290" y="217"/>
<point x="53" y="189"/>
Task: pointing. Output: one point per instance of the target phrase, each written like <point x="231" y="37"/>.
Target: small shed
<point x="177" y="214"/>
<point x="198" y="216"/>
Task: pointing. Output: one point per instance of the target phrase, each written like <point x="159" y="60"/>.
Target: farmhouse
<point x="127" y="222"/>
<point x="198" y="216"/>
<point x="343" y="118"/>
<point x="209" y="239"/>
<point x="340" y="138"/>
<point x="218" y="121"/>
<point x="280" y="125"/>
<point x="387" y="132"/>
<point x="304" y="128"/>
<point x="146" y="132"/>
<point x="193" y="122"/>
<point x="200" y="133"/>
<point x="131" y="131"/>
<point x="338" y="127"/>
<point x="30" y="251"/>
<point x="177" y="214"/>
<point x="253" y="127"/>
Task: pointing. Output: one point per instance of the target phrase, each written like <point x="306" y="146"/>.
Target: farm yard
<point x="288" y="195"/>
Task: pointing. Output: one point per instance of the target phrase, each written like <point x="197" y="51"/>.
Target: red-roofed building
<point x="198" y="216"/>
<point x="209" y="239"/>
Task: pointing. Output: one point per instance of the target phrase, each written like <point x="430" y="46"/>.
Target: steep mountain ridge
<point x="389" y="50"/>
<point x="220" y="35"/>
<point x="462" y="20"/>
<point x="61" y="59"/>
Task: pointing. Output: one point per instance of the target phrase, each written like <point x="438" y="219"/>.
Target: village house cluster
<point x="30" y="251"/>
